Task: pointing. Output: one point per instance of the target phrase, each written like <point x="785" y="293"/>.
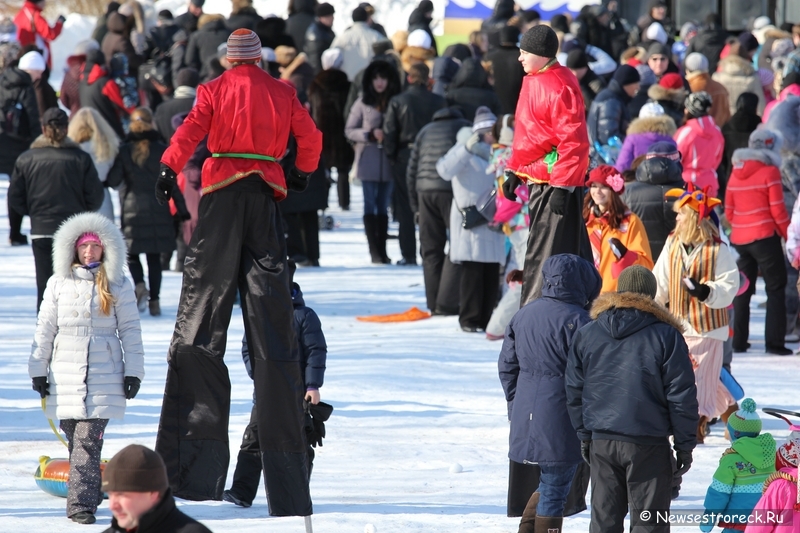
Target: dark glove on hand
<point x="617" y="248"/>
<point x="131" y="387"/>
<point x="62" y="19"/>
<point x="700" y="291"/>
<point x="585" y="446"/>
<point x="167" y="180"/>
<point x="558" y="201"/>
<point x="298" y="181"/>
<point x="510" y="185"/>
<point x="683" y="461"/>
<point x="40" y="385"/>
<point x="315" y="426"/>
<point x="184" y="215"/>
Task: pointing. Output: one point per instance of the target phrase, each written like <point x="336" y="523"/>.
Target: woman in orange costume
<point x="618" y="237"/>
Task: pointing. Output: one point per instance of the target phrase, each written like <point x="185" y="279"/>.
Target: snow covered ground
<point x="411" y="400"/>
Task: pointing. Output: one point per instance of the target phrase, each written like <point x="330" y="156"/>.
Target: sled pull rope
<point x="52" y="425"/>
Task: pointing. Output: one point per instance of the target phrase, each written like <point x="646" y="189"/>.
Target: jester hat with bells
<point x="698" y="199"/>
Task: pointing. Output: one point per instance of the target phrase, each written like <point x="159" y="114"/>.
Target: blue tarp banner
<point x="482" y="9"/>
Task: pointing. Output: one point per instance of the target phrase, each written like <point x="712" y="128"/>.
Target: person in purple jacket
<point x="652" y="126"/>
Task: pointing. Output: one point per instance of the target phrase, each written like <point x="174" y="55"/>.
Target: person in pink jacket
<point x="700" y="143"/>
<point x="778" y="510"/>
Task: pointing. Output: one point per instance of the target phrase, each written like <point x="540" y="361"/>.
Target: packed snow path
<point x="411" y="400"/>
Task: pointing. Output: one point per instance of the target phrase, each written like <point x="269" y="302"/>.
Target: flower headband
<point x="699" y="200"/>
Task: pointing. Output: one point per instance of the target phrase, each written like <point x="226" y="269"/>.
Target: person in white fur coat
<point x="87" y="357"/>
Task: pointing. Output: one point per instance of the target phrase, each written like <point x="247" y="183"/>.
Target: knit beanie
<point x="332" y="58"/>
<point x="698" y="104"/>
<point x="188" y="77"/>
<point x="745" y="422"/>
<point x="639" y="280"/>
<point x="577" y="59"/>
<point x="324" y="10"/>
<point x="419" y="38"/>
<point x="686" y="29"/>
<point x="135" y="468"/>
<point x="484" y="119"/>
<point x="671" y="80"/>
<point x="748" y="41"/>
<point x="651" y="109"/>
<point x="608" y="176"/>
<point x="666" y="149"/>
<point x="764" y="139"/>
<point x="244" y="45"/>
<point x="381" y="47"/>
<point x="360" y="14"/>
<point x="696" y="62"/>
<point x="84" y="46"/>
<point x="656" y="32"/>
<point x="626" y="75"/>
<point x="32" y="61"/>
<point x="659" y="49"/>
<point x="541" y="41"/>
<point x="89" y="236"/>
<point x="781" y="48"/>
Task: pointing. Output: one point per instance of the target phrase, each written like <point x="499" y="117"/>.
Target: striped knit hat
<point x="745" y="422"/>
<point x="244" y="46"/>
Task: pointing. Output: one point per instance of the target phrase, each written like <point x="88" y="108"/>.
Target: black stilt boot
<point x="383" y="234"/>
<point x="245" y="480"/>
<point x="371" y="229"/>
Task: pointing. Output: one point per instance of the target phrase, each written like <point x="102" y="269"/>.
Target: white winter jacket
<point x="356" y="45"/>
<point x="84" y="353"/>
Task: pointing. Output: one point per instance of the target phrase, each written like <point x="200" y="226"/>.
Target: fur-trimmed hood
<point x="768" y="157"/>
<point x="114" y="251"/>
<point x="734" y="65"/>
<point x="43" y="142"/>
<point x="414" y="54"/>
<point x="675" y="96"/>
<point x="663" y="125"/>
<point x="785" y="118"/>
<point x="630" y="300"/>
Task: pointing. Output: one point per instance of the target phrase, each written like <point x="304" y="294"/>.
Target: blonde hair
<point x="101" y="283"/>
<point x="141" y="121"/>
<point x="88" y="125"/>
<point x="691" y="231"/>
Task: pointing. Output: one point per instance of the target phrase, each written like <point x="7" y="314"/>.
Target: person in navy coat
<point x="531" y="366"/>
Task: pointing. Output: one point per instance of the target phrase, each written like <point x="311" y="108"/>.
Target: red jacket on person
<point x="754" y="197"/>
<point x="32" y="28"/>
<point x="551" y="114"/>
<point x="246" y="111"/>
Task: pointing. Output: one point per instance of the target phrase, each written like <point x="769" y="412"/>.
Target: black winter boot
<point x="383" y="234"/>
<point x="371" y="229"/>
<point x="245" y="480"/>
<point x="527" y="523"/>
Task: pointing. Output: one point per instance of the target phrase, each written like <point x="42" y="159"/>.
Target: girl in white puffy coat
<point x="87" y="356"/>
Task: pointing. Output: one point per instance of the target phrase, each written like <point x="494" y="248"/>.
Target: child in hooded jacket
<point x="779" y="506"/>
<point x="743" y="469"/>
<point x="87" y="357"/>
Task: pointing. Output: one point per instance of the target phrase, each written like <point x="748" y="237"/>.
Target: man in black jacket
<point x="406" y="114"/>
<point x="710" y="41"/>
<point x="431" y="198"/>
<point x="630" y="385"/>
<point x="507" y="69"/>
<point x="188" y="21"/>
<point x="319" y="36"/>
<point x="181" y="102"/>
<point x="52" y="181"/>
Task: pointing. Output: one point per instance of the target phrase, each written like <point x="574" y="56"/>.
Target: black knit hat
<point x="626" y="74"/>
<point x="698" y="104"/>
<point x="577" y="58"/>
<point x="639" y="280"/>
<point x="135" y="468"/>
<point x="360" y="14"/>
<point x="541" y="41"/>
<point x="324" y="10"/>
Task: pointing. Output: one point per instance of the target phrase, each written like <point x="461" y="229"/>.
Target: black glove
<point x="617" y="248"/>
<point x="131" y="387"/>
<point x="62" y="19"/>
<point x="316" y="415"/>
<point x="40" y="385"/>
<point x="167" y="180"/>
<point x="183" y="215"/>
<point x="700" y="291"/>
<point x="510" y="185"/>
<point x="558" y="201"/>
<point x="585" y="446"/>
<point x="684" y="462"/>
<point x="297" y="180"/>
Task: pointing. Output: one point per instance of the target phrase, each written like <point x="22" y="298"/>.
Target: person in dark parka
<point x="431" y="199"/>
<point x="243" y="15"/>
<point x="591" y="84"/>
<point x="470" y="89"/>
<point x="420" y="19"/>
<point x="203" y="44"/>
<point x="608" y="116"/>
<point x="118" y="40"/>
<point x="17" y="86"/>
<point x="494" y="25"/>
<point x="658" y="173"/>
<point x="630" y="386"/>
<point x="736" y="133"/>
<point x="301" y="15"/>
<point x="531" y="367"/>
<point x="507" y="69"/>
<point x="319" y="36"/>
<point x="710" y="41"/>
<point x="182" y="102"/>
<point x="444" y="70"/>
<point x="272" y="32"/>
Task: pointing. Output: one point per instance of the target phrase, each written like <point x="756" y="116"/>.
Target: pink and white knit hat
<point x="88" y="237"/>
<point x="244" y="45"/>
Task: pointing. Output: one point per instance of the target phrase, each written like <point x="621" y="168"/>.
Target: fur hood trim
<point x="43" y="142"/>
<point x="413" y="54"/>
<point x="114" y="251"/>
<point x="610" y="300"/>
<point x="676" y="96"/>
<point x="768" y="157"/>
<point x="664" y="125"/>
<point x="734" y="65"/>
<point x="776" y="33"/>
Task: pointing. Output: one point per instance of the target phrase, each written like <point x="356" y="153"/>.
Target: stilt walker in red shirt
<point x="238" y="244"/>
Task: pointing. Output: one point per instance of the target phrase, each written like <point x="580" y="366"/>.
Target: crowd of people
<point x="646" y="172"/>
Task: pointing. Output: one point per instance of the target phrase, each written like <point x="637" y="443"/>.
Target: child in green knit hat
<point x="742" y="470"/>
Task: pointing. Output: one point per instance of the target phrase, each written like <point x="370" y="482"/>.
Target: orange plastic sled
<point x="411" y="315"/>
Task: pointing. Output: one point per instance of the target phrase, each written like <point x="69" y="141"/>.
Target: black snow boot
<point x="371" y="230"/>
<point x="383" y="235"/>
<point x="245" y="480"/>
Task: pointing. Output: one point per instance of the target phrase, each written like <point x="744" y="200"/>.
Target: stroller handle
<point x="778" y="413"/>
